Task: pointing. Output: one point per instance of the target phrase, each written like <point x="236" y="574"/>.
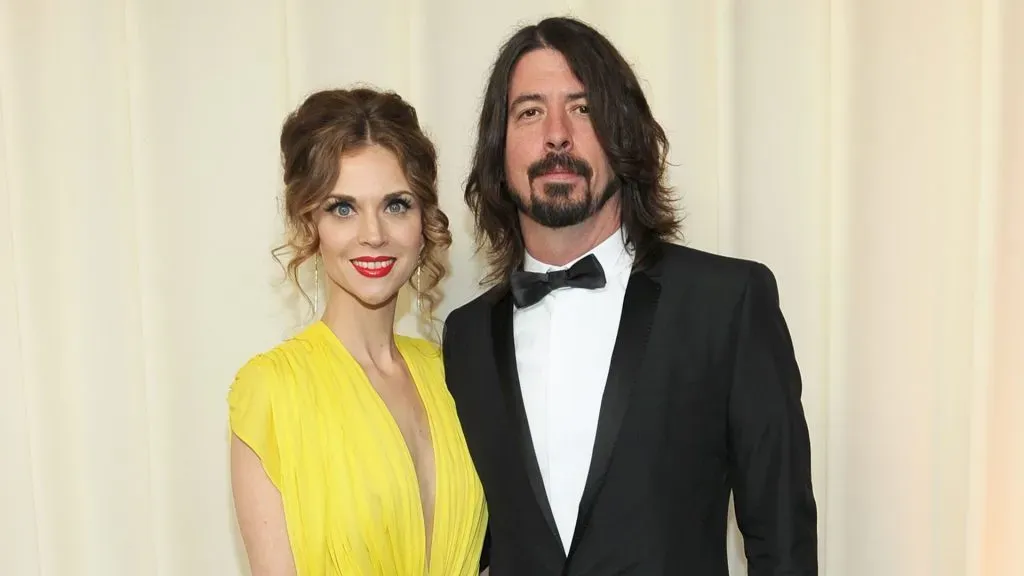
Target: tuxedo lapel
<point x="508" y="375"/>
<point x="638" y="311"/>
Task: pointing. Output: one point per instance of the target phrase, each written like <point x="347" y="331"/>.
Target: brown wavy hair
<point x="633" y="141"/>
<point x="331" y="123"/>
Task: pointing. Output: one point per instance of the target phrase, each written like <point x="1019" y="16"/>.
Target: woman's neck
<point x="367" y="333"/>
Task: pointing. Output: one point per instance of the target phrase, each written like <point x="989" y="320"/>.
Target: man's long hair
<point x="633" y="141"/>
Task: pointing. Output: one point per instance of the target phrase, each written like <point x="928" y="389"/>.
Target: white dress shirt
<point x="563" y="349"/>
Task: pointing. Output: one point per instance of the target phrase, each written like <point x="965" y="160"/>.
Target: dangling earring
<point x="419" y="290"/>
<point x="316" y="284"/>
<point x="419" y="285"/>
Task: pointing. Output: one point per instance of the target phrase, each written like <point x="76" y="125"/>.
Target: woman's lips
<point x="373" y="267"/>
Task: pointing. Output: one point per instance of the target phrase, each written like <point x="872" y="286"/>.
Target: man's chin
<point x="559" y="215"/>
<point x="565" y="191"/>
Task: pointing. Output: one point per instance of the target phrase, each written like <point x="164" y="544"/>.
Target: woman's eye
<point x="341" y="209"/>
<point x="397" y="207"/>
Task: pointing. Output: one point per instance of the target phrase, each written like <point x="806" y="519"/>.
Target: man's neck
<point x="560" y="246"/>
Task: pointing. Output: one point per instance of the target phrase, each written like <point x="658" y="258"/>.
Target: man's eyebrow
<point x="531" y="97"/>
<point x="534" y="97"/>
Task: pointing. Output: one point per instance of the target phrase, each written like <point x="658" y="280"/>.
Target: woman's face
<point x="370" y="228"/>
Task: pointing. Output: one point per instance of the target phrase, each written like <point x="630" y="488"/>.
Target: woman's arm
<point x="260" y="514"/>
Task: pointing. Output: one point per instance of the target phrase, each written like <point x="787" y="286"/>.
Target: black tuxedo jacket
<point x="702" y="398"/>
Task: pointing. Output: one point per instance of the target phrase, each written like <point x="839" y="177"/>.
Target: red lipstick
<point x="373" y="266"/>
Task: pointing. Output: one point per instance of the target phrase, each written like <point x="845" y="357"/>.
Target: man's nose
<point x="558" y="133"/>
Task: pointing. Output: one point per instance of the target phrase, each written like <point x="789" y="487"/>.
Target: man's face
<point x="553" y="159"/>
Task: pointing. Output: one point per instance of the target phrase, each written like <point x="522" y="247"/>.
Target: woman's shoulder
<point x="421" y="350"/>
<point x="282" y="361"/>
<point x="421" y="347"/>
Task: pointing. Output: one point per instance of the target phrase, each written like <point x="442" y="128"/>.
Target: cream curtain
<point x="871" y="152"/>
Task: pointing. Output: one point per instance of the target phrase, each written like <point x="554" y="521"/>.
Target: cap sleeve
<point x="251" y="413"/>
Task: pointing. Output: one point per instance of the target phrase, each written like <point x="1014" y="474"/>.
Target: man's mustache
<point x="563" y="162"/>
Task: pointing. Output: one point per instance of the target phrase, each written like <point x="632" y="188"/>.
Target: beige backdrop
<point x="871" y="152"/>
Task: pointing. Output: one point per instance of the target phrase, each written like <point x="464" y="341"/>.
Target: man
<point x="614" y="388"/>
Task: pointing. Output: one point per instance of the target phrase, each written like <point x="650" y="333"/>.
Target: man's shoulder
<point x="707" y="271"/>
<point x="478" y="306"/>
<point x="676" y="258"/>
<point x="465" y="328"/>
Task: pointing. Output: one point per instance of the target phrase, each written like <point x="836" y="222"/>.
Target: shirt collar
<point x="614" y="255"/>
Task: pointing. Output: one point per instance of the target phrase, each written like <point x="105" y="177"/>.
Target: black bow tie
<point x="528" y="288"/>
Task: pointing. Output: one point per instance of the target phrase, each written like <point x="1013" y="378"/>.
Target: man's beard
<point x="554" y="208"/>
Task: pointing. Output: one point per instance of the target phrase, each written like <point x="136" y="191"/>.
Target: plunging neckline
<point x="392" y="423"/>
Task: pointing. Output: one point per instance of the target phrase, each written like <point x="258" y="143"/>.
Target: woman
<point x="347" y="456"/>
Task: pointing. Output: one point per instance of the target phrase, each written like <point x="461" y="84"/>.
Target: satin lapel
<point x="638" y="308"/>
<point x="508" y="375"/>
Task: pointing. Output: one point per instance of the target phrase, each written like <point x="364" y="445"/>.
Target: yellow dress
<point x="346" y="477"/>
